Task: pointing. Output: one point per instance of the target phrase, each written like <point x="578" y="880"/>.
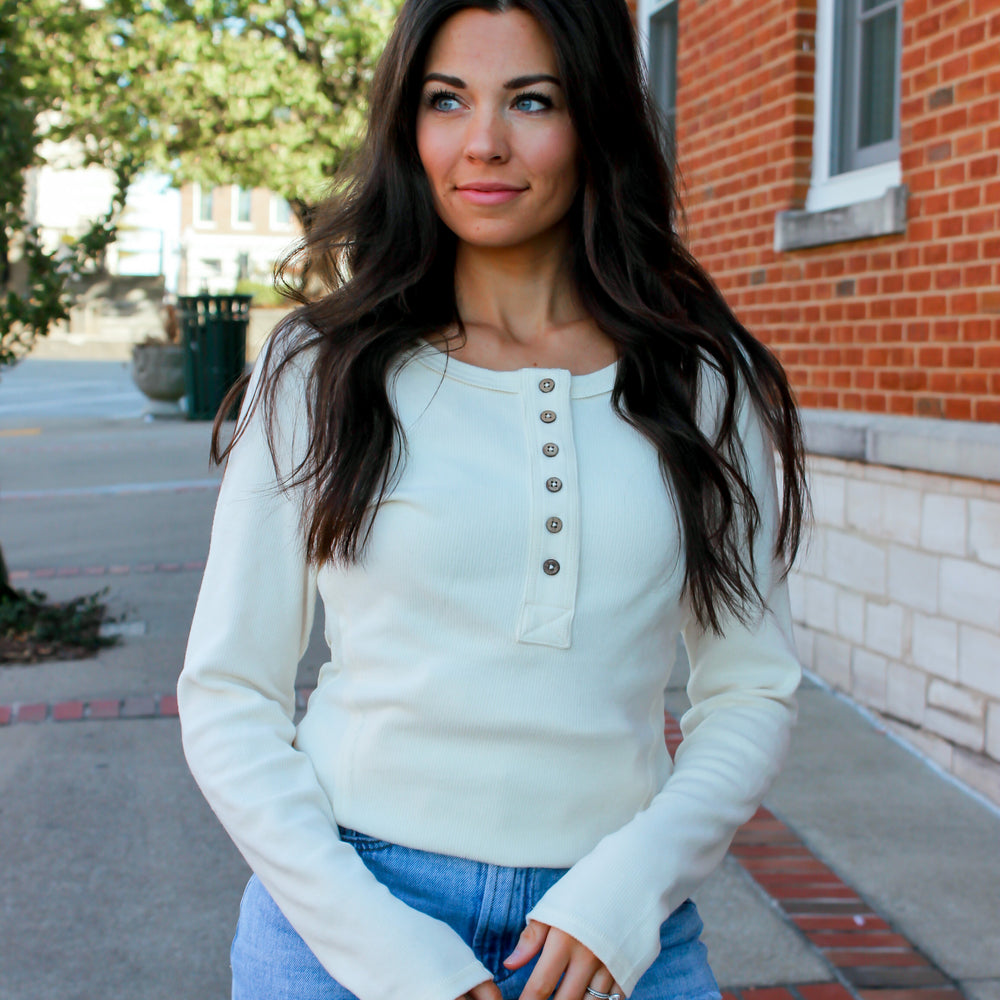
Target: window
<point x="856" y="122"/>
<point x="241" y="204"/>
<point x="663" y="66"/>
<point x="209" y="273"/>
<point x="203" y="204"/>
<point x="867" y="44"/>
<point x="281" y="212"/>
<point x="242" y="266"/>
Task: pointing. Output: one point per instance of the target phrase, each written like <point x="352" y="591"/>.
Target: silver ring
<point x="604" y="996"/>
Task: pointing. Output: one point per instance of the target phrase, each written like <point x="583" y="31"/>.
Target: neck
<point x="517" y="293"/>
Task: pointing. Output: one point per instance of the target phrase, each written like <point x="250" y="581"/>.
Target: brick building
<point x="839" y="168"/>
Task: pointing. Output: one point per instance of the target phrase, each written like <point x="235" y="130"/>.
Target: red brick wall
<point x="906" y="324"/>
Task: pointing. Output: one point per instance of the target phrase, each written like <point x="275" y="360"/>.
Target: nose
<point x="486" y="139"/>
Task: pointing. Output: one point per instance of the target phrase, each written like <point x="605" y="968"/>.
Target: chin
<point x="504" y="238"/>
<point x="488" y="242"/>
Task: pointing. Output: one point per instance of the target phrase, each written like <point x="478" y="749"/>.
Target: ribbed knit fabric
<point x="496" y="678"/>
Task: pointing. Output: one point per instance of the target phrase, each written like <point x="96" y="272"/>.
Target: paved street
<point x="868" y="874"/>
<point x="67" y="390"/>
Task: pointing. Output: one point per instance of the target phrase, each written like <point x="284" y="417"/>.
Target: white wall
<point x="897" y="603"/>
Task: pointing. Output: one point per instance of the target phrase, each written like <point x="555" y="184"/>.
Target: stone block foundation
<point x="896" y="602"/>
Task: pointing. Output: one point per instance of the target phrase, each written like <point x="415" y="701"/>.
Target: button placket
<point x="553" y="484"/>
<point x="551" y="573"/>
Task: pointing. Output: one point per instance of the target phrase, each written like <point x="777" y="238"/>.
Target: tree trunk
<point x="305" y="212"/>
<point x="7" y="592"/>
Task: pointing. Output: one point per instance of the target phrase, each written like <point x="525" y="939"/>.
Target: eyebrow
<point x="516" y="84"/>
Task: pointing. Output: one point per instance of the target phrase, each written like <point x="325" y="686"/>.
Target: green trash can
<point x="214" y="328"/>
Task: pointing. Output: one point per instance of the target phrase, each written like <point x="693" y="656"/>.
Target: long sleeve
<point x="736" y="736"/>
<point x="236" y="696"/>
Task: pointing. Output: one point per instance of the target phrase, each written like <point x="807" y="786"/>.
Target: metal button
<point x="553" y="485"/>
<point x="551" y="449"/>
<point x="554" y="524"/>
<point x="550" y="566"/>
<point x="546" y="385"/>
<point x="547" y="416"/>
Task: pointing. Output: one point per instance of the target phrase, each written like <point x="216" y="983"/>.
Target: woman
<point x="518" y="446"/>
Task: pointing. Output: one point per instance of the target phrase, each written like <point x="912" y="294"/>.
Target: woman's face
<point x="493" y="129"/>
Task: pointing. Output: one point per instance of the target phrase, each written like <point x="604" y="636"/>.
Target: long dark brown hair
<point x="387" y="263"/>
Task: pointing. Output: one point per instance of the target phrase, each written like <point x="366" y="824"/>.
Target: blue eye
<point x="443" y="100"/>
<point x="532" y="103"/>
<point x="528" y="103"/>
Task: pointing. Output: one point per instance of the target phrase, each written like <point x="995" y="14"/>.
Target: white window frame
<point x="276" y="199"/>
<point x="198" y="221"/>
<point x="234" y="197"/>
<point x="249" y="265"/>
<point x="645" y="12"/>
<point x="826" y="191"/>
<point x="645" y="9"/>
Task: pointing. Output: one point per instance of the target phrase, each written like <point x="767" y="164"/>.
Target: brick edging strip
<point x="59" y="572"/>
<point x="870" y="959"/>
<point x="163" y="706"/>
<point x="154" y="706"/>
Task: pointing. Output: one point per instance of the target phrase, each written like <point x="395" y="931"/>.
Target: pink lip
<point x="489" y="193"/>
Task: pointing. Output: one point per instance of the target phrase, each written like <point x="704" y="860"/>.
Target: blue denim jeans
<point x="486" y="904"/>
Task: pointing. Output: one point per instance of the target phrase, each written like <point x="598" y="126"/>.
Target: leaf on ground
<point x="34" y="629"/>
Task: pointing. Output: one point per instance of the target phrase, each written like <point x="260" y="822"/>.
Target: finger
<point x="529" y="944"/>
<point x="485" y="991"/>
<point x="578" y="976"/>
<point x="603" y="982"/>
<point x="549" y="969"/>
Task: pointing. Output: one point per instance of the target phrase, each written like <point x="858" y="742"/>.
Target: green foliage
<point x="34" y="281"/>
<point x="263" y="294"/>
<point x="32" y="628"/>
<point x="260" y="94"/>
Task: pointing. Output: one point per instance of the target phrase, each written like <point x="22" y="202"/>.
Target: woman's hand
<point x="484" y="991"/>
<point x="562" y="957"/>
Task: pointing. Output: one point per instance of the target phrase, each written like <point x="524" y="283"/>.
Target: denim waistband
<point x="485" y="904"/>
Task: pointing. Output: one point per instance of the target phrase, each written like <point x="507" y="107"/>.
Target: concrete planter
<point x="158" y="370"/>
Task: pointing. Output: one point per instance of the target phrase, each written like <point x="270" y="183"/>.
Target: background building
<point x="183" y="242"/>
<point x="231" y="234"/>
<point x="839" y="167"/>
<point x="197" y="239"/>
<point x="64" y="198"/>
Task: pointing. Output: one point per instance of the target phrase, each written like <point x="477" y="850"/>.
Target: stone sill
<point x="797" y="229"/>
<point x="946" y="447"/>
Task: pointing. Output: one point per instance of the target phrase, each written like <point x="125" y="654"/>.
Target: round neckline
<point x="511" y="380"/>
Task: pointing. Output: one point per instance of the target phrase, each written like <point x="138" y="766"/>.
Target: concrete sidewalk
<point x="869" y="874"/>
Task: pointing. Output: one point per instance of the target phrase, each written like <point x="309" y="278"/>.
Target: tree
<point x="268" y="94"/>
<point x="260" y="94"/>
<point x="34" y="281"/>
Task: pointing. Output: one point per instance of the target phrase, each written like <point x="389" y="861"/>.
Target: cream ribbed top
<point x="496" y="677"/>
